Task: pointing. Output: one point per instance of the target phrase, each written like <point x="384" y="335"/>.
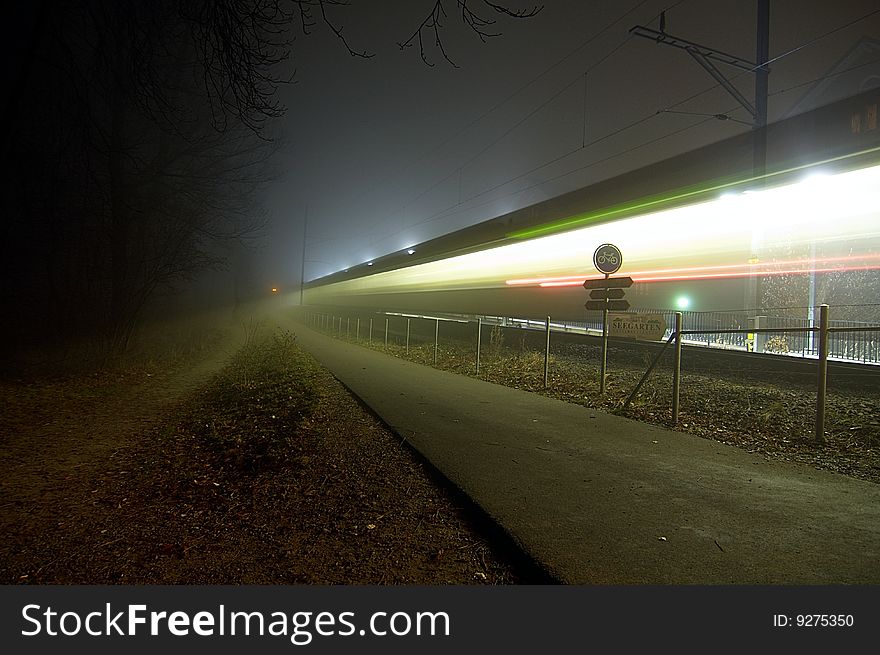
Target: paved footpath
<point x="597" y="498"/>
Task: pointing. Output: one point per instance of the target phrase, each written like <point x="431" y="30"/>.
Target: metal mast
<point x="706" y="57"/>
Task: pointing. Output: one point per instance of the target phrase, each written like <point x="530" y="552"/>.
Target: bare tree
<point x="143" y="135"/>
<point x="481" y="24"/>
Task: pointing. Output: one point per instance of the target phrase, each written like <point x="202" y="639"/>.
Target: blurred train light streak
<point x="740" y="234"/>
<point x="795" y="266"/>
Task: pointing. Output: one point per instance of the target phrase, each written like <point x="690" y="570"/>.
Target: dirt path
<point x="54" y="436"/>
<point x="141" y="478"/>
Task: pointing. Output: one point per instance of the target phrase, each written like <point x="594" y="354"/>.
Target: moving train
<point x="700" y="231"/>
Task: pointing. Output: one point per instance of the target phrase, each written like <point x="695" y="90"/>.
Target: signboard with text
<point x="647" y="327"/>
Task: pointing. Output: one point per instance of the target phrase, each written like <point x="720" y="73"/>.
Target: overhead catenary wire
<point x="707" y="118"/>
<point x="785" y="54"/>
<point x="510" y="96"/>
<point x="669" y="109"/>
<point x="566" y="87"/>
<point x="502" y="136"/>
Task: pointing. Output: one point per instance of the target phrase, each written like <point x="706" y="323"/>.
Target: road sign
<point x="612" y="305"/>
<point x="607" y="259"/>
<point x="601" y="294"/>
<point x="609" y="283"/>
<point x="647" y="327"/>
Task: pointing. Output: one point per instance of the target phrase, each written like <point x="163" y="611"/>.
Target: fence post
<point x="547" y="354"/>
<point x="436" y="337"/>
<point x="479" y="339"/>
<point x="370" y="337"/>
<point x="386" y="333"/>
<point x="676" y="371"/>
<point x="407" y="336"/>
<point x="823" y="373"/>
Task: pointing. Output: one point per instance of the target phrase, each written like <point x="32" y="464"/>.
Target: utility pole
<point x="706" y="58"/>
<point x="302" y="269"/>
<point x="759" y="131"/>
<point x="762" y="54"/>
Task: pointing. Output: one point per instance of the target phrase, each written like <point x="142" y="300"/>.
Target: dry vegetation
<point x="269" y="474"/>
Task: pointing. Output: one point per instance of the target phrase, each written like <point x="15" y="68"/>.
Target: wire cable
<point x="707" y="118"/>
<point x="507" y="99"/>
<point x="553" y="97"/>
<point x="637" y="122"/>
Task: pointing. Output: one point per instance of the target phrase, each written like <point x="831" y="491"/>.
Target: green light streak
<point x="664" y="201"/>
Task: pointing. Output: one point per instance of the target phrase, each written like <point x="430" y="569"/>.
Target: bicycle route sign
<point x="607" y="259"/>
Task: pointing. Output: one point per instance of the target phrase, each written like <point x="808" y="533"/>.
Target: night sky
<point x="387" y="152"/>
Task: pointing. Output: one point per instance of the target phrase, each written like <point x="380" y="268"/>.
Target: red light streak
<point x="715" y="272"/>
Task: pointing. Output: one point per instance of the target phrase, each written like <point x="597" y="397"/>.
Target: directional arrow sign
<point x="611" y="305"/>
<point x="609" y="283"/>
<point x="601" y="294"/>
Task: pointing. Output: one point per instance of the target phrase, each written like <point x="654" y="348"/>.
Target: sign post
<point x="607" y="295"/>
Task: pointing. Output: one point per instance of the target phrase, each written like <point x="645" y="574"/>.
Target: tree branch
<point x="433" y="23"/>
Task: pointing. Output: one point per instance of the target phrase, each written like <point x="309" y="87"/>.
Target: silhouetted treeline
<point x="135" y="140"/>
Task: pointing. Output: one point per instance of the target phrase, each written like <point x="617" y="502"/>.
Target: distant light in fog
<point x="274" y="289"/>
<point x="682" y="302"/>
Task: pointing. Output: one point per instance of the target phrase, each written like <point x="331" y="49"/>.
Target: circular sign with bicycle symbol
<point x="607" y="259"/>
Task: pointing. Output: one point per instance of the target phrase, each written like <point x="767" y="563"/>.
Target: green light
<point x="682" y="302"/>
<point x="658" y="202"/>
